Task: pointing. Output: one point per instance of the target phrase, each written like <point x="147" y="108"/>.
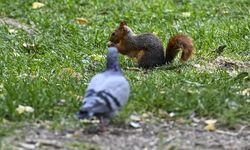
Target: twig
<point x="233" y="133"/>
<point x="170" y="139"/>
<point x="133" y="68"/>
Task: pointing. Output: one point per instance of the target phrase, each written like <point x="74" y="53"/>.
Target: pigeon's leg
<point x="103" y="124"/>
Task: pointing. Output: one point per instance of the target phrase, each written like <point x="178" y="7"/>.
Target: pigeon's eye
<point x="113" y="34"/>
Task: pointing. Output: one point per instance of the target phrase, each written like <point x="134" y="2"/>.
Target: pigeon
<point x="107" y="92"/>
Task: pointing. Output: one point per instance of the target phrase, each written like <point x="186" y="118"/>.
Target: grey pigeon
<point x="106" y="93"/>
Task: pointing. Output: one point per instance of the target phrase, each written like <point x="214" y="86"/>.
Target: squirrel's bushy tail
<point x="179" y="42"/>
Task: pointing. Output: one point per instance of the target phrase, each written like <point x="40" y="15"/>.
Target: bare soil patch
<point x="154" y="136"/>
<point x="17" y="24"/>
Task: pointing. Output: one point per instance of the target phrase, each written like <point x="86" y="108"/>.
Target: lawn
<point x="48" y="69"/>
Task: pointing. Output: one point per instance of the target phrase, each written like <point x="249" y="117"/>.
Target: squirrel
<point x="148" y="49"/>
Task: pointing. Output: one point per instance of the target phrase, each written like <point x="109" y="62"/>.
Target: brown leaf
<point x="210" y="125"/>
<point x="81" y="21"/>
<point x="37" y="5"/>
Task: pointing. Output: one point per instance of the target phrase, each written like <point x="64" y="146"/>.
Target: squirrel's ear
<point x="123" y="23"/>
<point x="123" y="26"/>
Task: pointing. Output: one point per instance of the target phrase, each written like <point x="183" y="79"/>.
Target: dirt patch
<point x="154" y="136"/>
<point x="231" y="65"/>
<point x="17" y="24"/>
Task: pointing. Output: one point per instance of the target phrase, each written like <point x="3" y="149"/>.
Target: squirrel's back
<point x="153" y="50"/>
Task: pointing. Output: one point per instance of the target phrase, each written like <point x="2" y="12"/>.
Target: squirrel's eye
<point x="113" y="34"/>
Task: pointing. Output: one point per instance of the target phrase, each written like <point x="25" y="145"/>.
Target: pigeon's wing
<point x="106" y="94"/>
<point x="115" y="91"/>
<point x="94" y="104"/>
<point x="95" y="81"/>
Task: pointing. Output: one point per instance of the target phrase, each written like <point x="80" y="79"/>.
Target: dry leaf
<point x="186" y="14"/>
<point x="28" y="46"/>
<point x="96" y="57"/>
<point x="37" y="5"/>
<point x="22" y="109"/>
<point x="87" y="121"/>
<point x="246" y="92"/>
<point x="81" y="21"/>
<point x="135" y="118"/>
<point x="12" y="31"/>
<point x="172" y="114"/>
<point x="197" y="65"/>
<point x="210" y="125"/>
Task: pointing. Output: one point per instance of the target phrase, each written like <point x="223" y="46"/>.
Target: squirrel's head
<point x="120" y="32"/>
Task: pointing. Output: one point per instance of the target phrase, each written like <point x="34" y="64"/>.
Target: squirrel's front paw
<point x="110" y="44"/>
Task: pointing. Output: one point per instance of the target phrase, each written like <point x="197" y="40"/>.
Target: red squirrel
<point x="148" y="49"/>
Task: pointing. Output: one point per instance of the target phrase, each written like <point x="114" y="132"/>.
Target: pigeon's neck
<point x="113" y="64"/>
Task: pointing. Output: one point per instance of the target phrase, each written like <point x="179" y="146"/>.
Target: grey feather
<point x="107" y="91"/>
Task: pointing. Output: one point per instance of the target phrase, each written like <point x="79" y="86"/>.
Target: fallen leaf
<point x="28" y="46"/>
<point x="246" y="92"/>
<point x="186" y="14"/>
<point x="210" y="125"/>
<point x="96" y="57"/>
<point x="87" y="121"/>
<point x="29" y="109"/>
<point x="172" y="114"/>
<point x="81" y="21"/>
<point x="197" y="65"/>
<point x="135" y="118"/>
<point x="12" y="31"/>
<point x="22" y="109"/>
<point x="37" y="5"/>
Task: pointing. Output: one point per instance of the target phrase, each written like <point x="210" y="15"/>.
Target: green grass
<point x="43" y="75"/>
